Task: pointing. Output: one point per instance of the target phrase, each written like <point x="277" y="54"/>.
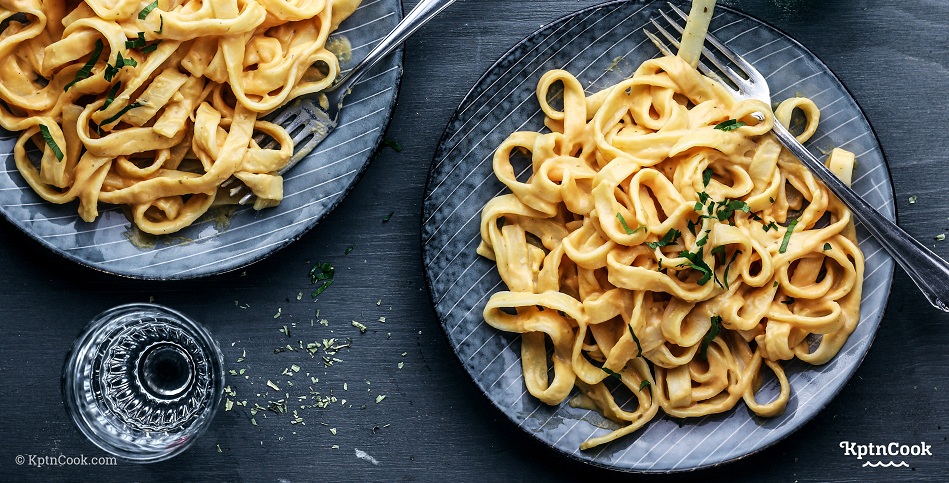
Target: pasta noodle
<point x="153" y="105"/>
<point x="665" y="242"/>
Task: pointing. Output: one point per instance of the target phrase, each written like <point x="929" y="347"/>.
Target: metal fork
<point x="928" y="271"/>
<point x="318" y="121"/>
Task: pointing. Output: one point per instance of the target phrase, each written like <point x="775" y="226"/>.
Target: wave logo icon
<point x="892" y="450"/>
<point x="888" y="464"/>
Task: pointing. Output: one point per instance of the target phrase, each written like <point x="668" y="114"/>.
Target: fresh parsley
<point x="121" y="113"/>
<point x="626" y="228"/>
<point x="787" y="236"/>
<point x="612" y="374"/>
<point x="707" y="176"/>
<point x="702" y="241"/>
<point x="729" y="125"/>
<point x="639" y="346"/>
<point x="669" y="238"/>
<point x="48" y="137"/>
<point x="728" y="266"/>
<point x="86" y="71"/>
<point x="319" y="290"/>
<point x="727" y="209"/>
<point x="645" y="385"/>
<point x="321" y="273"/>
<point x="695" y="261"/>
<point x="712" y="333"/>
<point x="392" y="144"/>
<point x="110" y="97"/>
<point x="827" y="246"/>
<point x="150" y="47"/>
<point x="120" y="62"/>
<point x="147" y="10"/>
<point x="137" y="42"/>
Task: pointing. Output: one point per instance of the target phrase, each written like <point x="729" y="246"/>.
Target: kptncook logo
<point x="877" y="453"/>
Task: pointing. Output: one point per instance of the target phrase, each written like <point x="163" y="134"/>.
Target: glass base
<point x="143" y="381"/>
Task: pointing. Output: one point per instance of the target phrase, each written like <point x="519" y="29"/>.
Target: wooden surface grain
<point x="433" y="424"/>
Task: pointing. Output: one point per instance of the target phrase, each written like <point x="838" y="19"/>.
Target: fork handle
<point x="424" y="11"/>
<point x="928" y="270"/>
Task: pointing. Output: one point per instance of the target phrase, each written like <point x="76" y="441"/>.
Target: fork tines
<point x="735" y="80"/>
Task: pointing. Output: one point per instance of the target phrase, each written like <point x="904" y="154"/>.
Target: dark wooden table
<point x="433" y="424"/>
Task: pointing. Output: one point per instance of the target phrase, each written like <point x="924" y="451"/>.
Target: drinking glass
<point x="143" y="381"/>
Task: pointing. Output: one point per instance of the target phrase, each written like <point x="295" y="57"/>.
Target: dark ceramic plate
<point x="229" y="240"/>
<point x="602" y="45"/>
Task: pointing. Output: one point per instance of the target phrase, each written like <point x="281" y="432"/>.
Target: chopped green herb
<point x="161" y="24"/>
<point x="612" y="374"/>
<point x="639" y="346"/>
<point x="770" y="226"/>
<point x="691" y="226"/>
<point x="670" y="237"/>
<point x="121" y="113"/>
<point x="696" y="262"/>
<point x="728" y="208"/>
<point x="48" y="137"/>
<point x="147" y="10"/>
<point x="349" y="249"/>
<point x="712" y="333"/>
<point x="321" y="271"/>
<point x="788" y="301"/>
<point x="707" y="176"/>
<point x="360" y="326"/>
<point x="787" y="236"/>
<point x="111" y="95"/>
<point x="392" y="144"/>
<point x="912" y="199"/>
<point x="703" y="197"/>
<point x="626" y="228"/>
<point x="150" y="47"/>
<point x="645" y="385"/>
<point x="698" y="206"/>
<point x="729" y="125"/>
<point x="86" y="70"/>
<point x="775" y="283"/>
<point x="940" y="237"/>
<point x="727" y="267"/>
<point x="827" y="246"/>
<point x="702" y="241"/>
<point x="388" y="217"/>
<point x="120" y="62"/>
<point x="136" y="43"/>
<point x="316" y="293"/>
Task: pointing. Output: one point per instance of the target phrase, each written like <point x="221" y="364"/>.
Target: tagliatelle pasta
<point x="665" y="242"/>
<point x="153" y="105"/>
